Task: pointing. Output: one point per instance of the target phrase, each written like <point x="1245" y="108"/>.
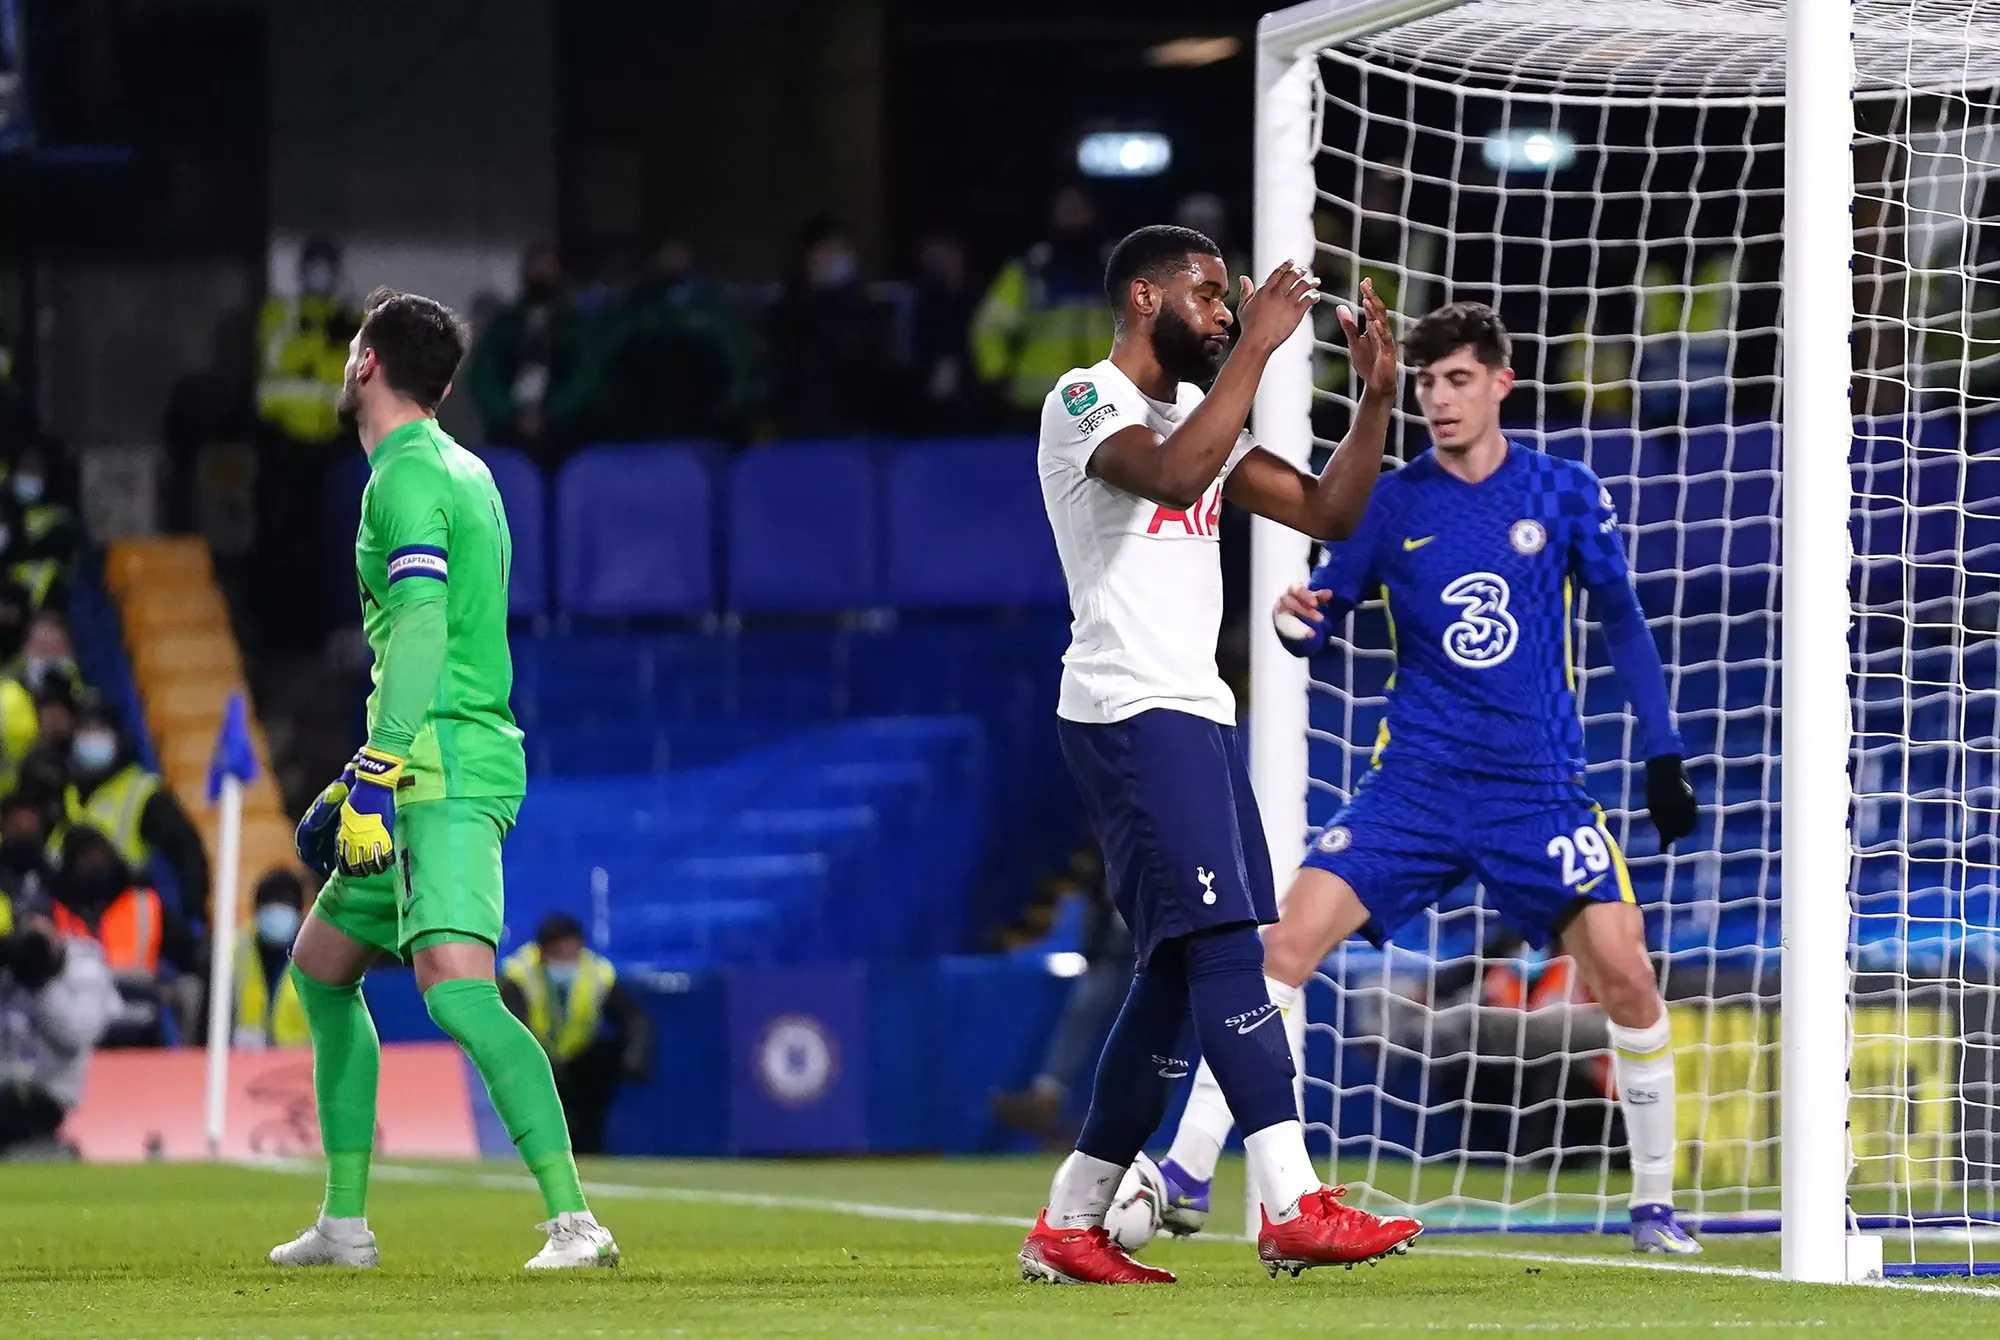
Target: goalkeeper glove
<point x="366" y="844"/>
<point x="1670" y="798"/>
<point x="313" y="839"/>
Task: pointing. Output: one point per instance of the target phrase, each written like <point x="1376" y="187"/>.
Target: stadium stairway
<point x="937" y="729"/>
<point x="854" y="840"/>
<point x="185" y="663"/>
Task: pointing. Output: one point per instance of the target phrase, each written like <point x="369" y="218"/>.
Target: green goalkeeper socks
<point x="518" y="1078"/>
<point x="347" y="1067"/>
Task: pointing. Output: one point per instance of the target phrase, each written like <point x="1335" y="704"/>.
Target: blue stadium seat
<point x="803" y="528"/>
<point x="633" y="532"/>
<point x="966" y="526"/>
<point x="520" y="485"/>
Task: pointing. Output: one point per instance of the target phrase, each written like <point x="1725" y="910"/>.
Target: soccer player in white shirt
<point x="1135" y="462"/>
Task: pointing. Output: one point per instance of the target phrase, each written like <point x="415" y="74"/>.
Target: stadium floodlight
<point x="1771" y="245"/>
<point x="1124" y="153"/>
<point x="1529" y="151"/>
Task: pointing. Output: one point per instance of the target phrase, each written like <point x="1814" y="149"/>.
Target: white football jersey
<point x="1145" y="581"/>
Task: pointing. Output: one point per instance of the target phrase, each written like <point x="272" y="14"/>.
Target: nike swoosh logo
<point x="1586" y="888"/>
<point x="1259" y="1022"/>
<point x="1418" y="544"/>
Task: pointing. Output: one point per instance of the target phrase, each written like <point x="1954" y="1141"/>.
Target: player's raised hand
<point x="1270" y="312"/>
<point x="1371" y="346"/>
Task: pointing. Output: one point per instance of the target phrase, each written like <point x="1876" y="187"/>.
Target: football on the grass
<point x="1135" y="1211"/>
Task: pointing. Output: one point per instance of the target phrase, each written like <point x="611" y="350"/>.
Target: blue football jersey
<point x="1481" y="581"/>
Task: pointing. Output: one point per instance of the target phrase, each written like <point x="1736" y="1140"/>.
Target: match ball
<point x="1134" y="1217"/>
<point x="1291" y="627"/>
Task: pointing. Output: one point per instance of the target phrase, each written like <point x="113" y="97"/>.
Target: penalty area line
<point x="752" y="1200"/>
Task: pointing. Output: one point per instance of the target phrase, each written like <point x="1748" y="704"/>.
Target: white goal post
<point x="1629" y="176"/>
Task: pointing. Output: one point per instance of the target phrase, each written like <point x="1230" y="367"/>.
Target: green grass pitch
<point x="849" y="1247"/>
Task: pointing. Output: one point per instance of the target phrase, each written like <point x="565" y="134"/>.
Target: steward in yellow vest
<point x="302" y="350"/>
<point x="593" y="1028"/>
<point x="267" y="1015"/>
<point x="1045" y="312"/>
<point x="564" y="998"/>
<point x="41" y="554"/>
<point x="113" y="792"/>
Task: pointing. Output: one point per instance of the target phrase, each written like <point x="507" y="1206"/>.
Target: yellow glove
<point x="367" y="841"/>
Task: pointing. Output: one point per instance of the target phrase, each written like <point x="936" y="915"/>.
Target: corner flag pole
<point x="234" y="762"/>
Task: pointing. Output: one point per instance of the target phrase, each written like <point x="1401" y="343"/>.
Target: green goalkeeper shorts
<point x="446" y="879"/>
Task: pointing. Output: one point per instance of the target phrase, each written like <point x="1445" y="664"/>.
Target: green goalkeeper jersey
<point x="433" y="531"/>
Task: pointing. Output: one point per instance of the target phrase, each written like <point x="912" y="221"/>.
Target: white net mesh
<point x="1611" y="177"/>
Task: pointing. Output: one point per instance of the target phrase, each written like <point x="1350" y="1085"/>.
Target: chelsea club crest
<point x="1527" y="536"/>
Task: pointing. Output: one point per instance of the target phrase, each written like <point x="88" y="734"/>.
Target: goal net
<point x="1611" y="177"/>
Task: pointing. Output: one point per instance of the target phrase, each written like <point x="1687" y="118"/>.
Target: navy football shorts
<point x="1413" y="832"/>
<point x="1169" y="799"/>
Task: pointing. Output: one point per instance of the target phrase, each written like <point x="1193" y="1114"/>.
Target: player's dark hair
<point x="1455" y="326"/>
<point x="557" y="927"/>
<point x="419" y="341"/>
<point x="1152" y="253"/>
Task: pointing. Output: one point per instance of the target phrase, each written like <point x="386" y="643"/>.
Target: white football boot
<point x="330" y="1242"/>
<point x="575" y="1240"/>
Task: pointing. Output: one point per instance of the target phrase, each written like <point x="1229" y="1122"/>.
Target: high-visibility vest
<point x="1597" y="370"/>
<point x="1700" y="308"/>
<point x="129" y="931"/>
<point x="565" y="1026"/>
<point x="277" y="1014"/>
<point x="18" y="730"/>
<point x="1024" y="337"/>
<point x="6" y="915"/>
<point x="302" y="364"/>
<point x="115" y="809"/>
<point x="38" y="576"/>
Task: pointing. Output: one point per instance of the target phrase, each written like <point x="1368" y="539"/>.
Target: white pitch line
<point x="750" y="1200"/>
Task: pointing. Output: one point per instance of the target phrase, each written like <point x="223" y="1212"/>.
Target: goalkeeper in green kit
<point x="411" y="831"/>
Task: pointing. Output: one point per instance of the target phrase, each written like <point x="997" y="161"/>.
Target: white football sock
<point x="1280" y="1168"/>
<point x="1205" y="1125"/>
<point x="1083" y="1191"/>
<point x="1206" y="1122"/>
<point x="1643" y="1061"/>
<point x="1291" y="1000"/>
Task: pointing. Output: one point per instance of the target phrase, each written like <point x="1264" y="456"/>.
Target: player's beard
<point x="347" y="409"/>
<point x="1184" y="355"/>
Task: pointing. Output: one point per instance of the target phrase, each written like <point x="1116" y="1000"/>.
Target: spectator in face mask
<point x="829" y="339"/>
<point x="302" y="342"/>
<point x="533" y="369"/>
<point x="677" y="362"/>
<point x="267" y="1015"/>
<point x="50" y="533"/>
<point x="47" y="661"/>
<point x="96" y="898"/>
<point x="1045" y="311"/>
<point x="592" y="1026"/>
<point x="116" y="794"/>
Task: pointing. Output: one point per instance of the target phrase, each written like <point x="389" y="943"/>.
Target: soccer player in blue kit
<point x="1477" y="547"/>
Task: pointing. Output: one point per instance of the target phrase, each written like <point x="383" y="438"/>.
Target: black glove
<point x="1670" y="799"/>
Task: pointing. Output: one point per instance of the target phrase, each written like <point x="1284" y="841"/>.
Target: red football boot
<point x="1082" y="1256"/>
<point x="1326" y="1233"/>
